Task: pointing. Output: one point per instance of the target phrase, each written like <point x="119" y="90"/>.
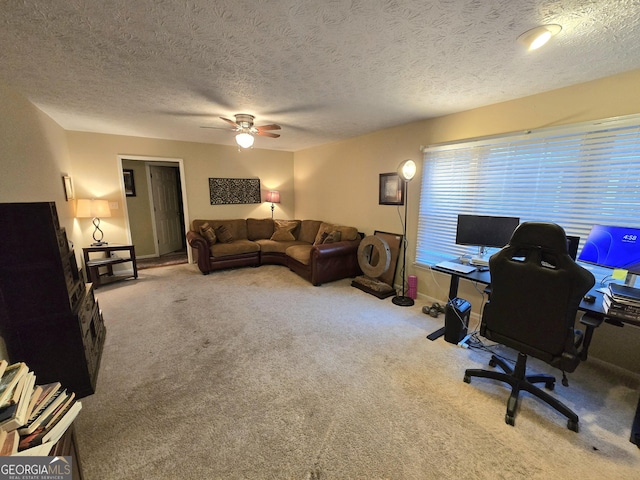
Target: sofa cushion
<point x="274" y="246"/>
<point x="258" y="228"/>
<point x="207" y="232"/>
<point x="236" y="247"/>
<point x="301" y="253"/>
<point x="223" y="234"/>
<point x="284" y="230"/>
<point x="309" y="230"/>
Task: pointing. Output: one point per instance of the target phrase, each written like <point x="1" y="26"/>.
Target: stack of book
<point x="622" y="302"/>
<point x="32" y="417"/>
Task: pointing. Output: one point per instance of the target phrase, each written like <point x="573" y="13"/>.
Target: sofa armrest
<point x="333" y="261"/>
<point x="200" y="245"/>
<point x="336" y="249"/>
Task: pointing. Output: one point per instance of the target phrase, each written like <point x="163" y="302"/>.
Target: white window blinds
<point x="574" y="176"/>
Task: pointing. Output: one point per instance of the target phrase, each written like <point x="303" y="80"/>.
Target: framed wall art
<point x="228" y="191"/>
<point x="129" y="182"/>
<point x="68" y="187"/>
<point x="391" y="189"/>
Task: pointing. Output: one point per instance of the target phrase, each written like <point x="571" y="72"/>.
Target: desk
<point x="594" y="309"/>
<point x="484" y="277"/>
<point x="106" y="260"/>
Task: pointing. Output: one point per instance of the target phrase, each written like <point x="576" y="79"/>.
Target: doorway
<point x="167" y="209"/>
<point x="155" y="209"/>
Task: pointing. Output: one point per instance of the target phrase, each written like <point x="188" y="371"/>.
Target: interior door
<point x="164" y="188"/>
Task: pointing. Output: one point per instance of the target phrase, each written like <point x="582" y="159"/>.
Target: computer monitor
<point x="613" y="247"/>
<point x="572" y="246"/>
<point x="485" y="231"/>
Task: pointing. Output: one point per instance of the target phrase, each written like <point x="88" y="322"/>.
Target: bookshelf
<point x="49" y="317"/>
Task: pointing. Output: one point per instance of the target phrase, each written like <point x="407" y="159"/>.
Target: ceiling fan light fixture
<point x="244" y="140"/>
<point x="538" y="36"/>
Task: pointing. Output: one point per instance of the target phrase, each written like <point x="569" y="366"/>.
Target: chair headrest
<point x="548" y="236"/>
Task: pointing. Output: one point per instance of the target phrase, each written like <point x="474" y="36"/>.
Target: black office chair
<point x="535" y="291"/>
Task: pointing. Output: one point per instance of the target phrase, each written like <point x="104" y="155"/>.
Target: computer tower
<point x="456" y="320"/>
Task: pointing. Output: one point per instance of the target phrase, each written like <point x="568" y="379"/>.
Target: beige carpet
<point x="255" y="374"/>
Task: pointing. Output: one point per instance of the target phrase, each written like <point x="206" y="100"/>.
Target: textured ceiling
<point x="325" y="70"/>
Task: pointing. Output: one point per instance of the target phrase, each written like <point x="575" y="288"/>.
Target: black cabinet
<point x="49" y="317"/>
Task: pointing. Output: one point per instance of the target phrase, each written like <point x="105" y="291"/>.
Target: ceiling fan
<point x="245" y="129"/>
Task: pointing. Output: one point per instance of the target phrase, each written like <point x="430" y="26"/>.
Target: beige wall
<point x="33" y="158"/>
<point x="341" y="179"/>
<point x="97" y="175"/>
<point x="34" y="155"/>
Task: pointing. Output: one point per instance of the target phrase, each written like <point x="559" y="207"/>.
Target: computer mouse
<point x="589" y="298"/>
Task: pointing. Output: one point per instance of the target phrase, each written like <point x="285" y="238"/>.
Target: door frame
<point x="160" y="161"/>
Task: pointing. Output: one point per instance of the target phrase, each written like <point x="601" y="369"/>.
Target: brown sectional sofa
<point x="318" y="251"/>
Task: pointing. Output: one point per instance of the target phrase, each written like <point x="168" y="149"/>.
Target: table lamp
<point x="95" y="209"/>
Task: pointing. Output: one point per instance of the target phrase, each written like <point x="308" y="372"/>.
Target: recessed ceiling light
<point x="537" y="37"/>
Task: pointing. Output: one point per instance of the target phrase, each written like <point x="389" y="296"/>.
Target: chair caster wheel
<point x="492" y="363"/>
<point x="550" y="385"/>
<point x="467" y="379"/>
<point x="571" y="425"/>
<point x="509" y="420"/>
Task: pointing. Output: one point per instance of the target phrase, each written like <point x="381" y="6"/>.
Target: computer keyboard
<point x="456" y="267"/>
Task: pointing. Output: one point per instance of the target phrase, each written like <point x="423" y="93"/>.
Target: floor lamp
<point x="406" y="171"/>
<point x="272" y="196"/>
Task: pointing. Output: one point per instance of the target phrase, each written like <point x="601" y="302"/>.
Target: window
<point x="574" y="176"/>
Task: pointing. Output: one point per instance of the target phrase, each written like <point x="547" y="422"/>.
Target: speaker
<point x="456" y="320"/>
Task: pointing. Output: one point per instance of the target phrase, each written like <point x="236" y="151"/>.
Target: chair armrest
<point x="590" y="324"/>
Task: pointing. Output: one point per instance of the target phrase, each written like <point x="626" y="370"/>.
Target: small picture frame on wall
<point x="68" y="187"/>
<point x="129" y="182"/>
<point x="391" y="190"/>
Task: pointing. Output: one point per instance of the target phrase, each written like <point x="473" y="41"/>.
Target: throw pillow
<point x="323" y="237"/>
<point x="207" y="232"/>
<point x="223" y="234"/>
<point x="324" y="228"/>
<point x="283" y="230"/>
<point x="333" y="237"/>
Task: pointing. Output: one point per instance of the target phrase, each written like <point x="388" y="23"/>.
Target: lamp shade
<point x="273" y="196"/>
<point x="407" y="170"/>
<point x="86" y="208"/>
<point x="245" y="140"/>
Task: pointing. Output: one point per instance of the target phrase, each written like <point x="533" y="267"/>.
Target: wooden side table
<point x="94" y="264"/>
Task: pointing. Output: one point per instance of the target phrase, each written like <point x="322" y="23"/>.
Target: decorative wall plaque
<point x="227" y="191"/>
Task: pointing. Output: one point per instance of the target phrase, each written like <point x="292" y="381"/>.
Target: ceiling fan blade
<point x="268" y="134"/>
<point x="272" y="126"/>
<point x="230" y="122"/>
